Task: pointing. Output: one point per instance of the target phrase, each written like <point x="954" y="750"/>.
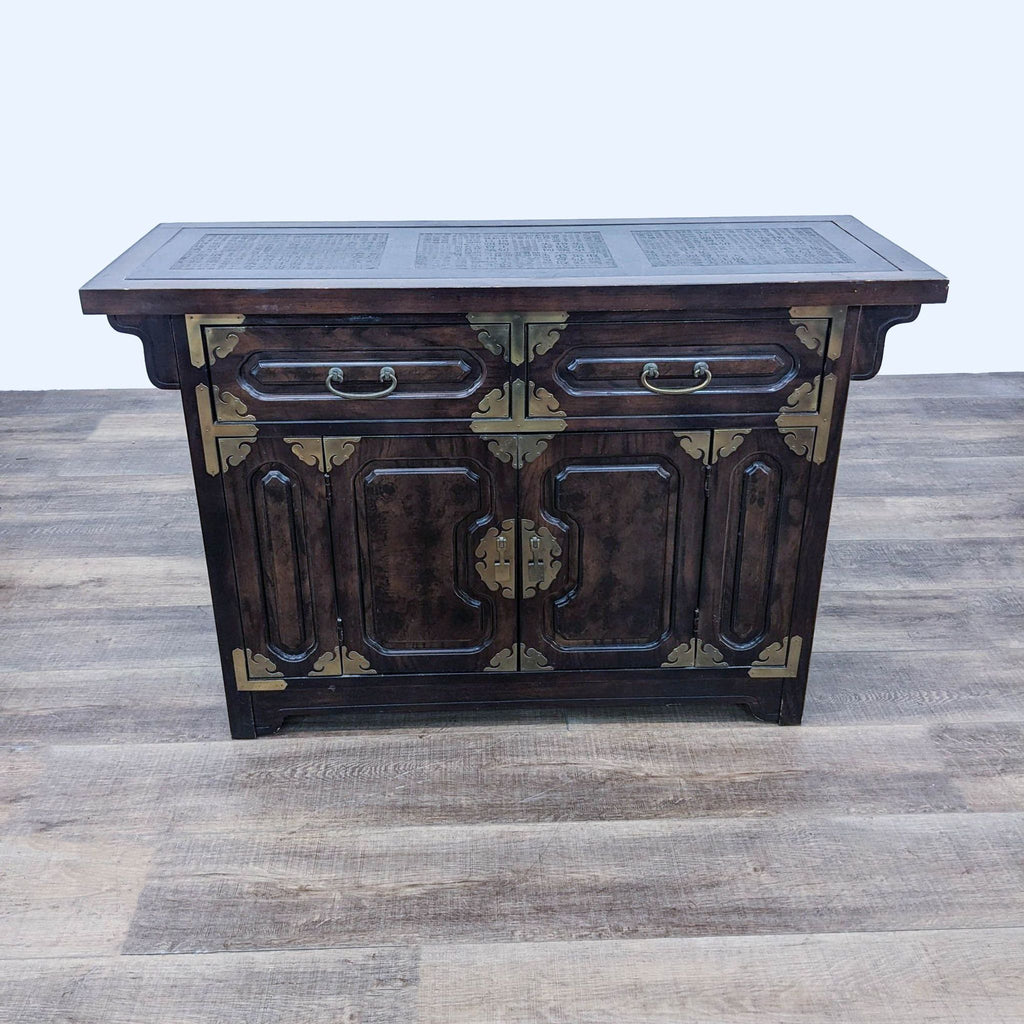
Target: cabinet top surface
<point x="284" y="267"/>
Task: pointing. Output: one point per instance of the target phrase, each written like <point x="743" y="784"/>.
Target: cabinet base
<point x="767" y="700"/>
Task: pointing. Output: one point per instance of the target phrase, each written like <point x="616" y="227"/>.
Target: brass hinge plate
<point x="540" y="557"/>
<point x="496" y="558"/>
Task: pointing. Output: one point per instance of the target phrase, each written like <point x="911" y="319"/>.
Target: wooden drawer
<point x="279" y="371"/>
<point x="595" y="367"/>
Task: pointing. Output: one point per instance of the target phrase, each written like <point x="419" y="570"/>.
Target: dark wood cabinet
<point x="619" y="489"/>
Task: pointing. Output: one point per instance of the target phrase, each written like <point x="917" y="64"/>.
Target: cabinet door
<point x="277" y="513"/>
<point x="756" y="502"/>
<point x="625" y="512"/>
<point x="408" y="518"/>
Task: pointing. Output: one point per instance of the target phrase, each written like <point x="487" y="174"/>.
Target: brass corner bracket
<point x="194" y="324"/>
<point x="820" y="328"/>
<point x="514" y="336"/>
<point x="694" y="654"/>
<point x="323" y="452"/>
<point x="354" y="664"/>
<point x="519" y="658"/>
<point x="227" y="431"/>
<point x="711" y="446"/>
<point x="255" y="672"/>
<point x="781" y="659"/>
<point x="806" y="433"/>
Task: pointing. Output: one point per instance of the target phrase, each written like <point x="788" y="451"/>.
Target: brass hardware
<point x="726" y="442"/>
<point x="497" y="558"/>
<point x="518" y="408"/>
<point x="531" y="660"/>
<point x="255" y="672"/>
<point x="354" y="664"/>
<point x="328" y="664"/>
<point x="228" y="440"/>
<point x="506" y="448"/>
<point x="494" y="405"/>
<point x="696" y="444"/>
<point x="778" y="659"/>
<point x="683" y="656"/>
<point x="229" y="409"/>
<point x="336" y="375"/>
<point x="512" y="343"/>
<point x="224" y="347"/>
<point x="540" y="551"/>
<point x="700" y="369"/>
<point x="338" y="450"/>
<point x="194" y="323"/>
<point x="794" y="426"/>
<point x="812" y="334"/>
<point x="531" y="446"/>
<point x="518" y="449"/>
<point x="504" y="661"/>
<point x="804" y="398"/>
<point x="308" y="449"/>
<point x="799" y="440"/>
<point x="708" y="656"/>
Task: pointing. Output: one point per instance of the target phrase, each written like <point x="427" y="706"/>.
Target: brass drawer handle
<point x="700" y="369"/>
<point x="335" y="375"/>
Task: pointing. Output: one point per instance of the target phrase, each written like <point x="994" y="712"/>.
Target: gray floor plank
<point x="303" y="887"/>
<point x="963" y="977"/>
<point x="351" y="986"/>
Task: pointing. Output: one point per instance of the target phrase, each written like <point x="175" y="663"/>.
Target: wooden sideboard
<point x="546" y="463"/>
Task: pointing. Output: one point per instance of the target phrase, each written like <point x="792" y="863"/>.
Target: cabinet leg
<point x="791" y="711"/>
<point x="240" y="717"/>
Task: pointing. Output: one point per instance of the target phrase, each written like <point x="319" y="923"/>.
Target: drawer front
<point x="596" y="369"/>
<point x="384" y="371"/>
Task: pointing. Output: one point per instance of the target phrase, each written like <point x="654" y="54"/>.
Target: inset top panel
<point x="175" y="264"/>
<point x="527" y="251"/>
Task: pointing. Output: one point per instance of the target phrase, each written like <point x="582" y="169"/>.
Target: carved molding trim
<point x="538" y="330"/>
<point x="875" y="322"/>
<point x="255" y="672"/>
<point x="226" y="442"/>
<point x="778" y="659"/>
<point x="194" y="324"/>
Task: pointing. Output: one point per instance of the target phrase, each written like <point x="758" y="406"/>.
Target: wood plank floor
<point x="651" y="865"/>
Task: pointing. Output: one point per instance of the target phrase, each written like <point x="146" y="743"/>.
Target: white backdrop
<point x="906" y="115"/>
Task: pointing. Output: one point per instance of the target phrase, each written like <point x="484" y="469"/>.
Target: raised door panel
<point x="277" y="511"/>
<point x="408" y="515"/>
<point x="625" y="512"/>
<point x="756" y="505"/>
